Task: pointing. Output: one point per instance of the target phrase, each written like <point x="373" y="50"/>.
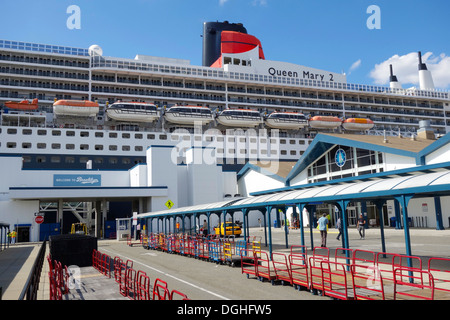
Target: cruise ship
<point x="64" y="107"/>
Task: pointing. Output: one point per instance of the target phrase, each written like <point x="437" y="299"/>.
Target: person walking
<point x="361" y="226"/>
<point x="339" y="227"/>
<point x="323" y="228"/>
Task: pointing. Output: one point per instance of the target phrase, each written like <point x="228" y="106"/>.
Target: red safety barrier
<point x="265" y="268"/>
<point x="176" y="295"/>
<point x="367" y="282"/>
<point x="105" y="265"/>
<point x="440" y="269"/>
<point x="298" y="263"/>
<point x="160" y="290"/>
<point x="281" y="268"/>
<point x="336" y="281"/>
<point x="406" y="289"/>
<point x="130" y="283"/>
<point x="142" y="286"/>
<point x="58" y="279"/>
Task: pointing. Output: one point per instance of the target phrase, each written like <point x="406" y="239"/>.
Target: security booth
<point x="123" y="228"/>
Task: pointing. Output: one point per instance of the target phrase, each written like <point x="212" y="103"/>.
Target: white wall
<point x="253" y="181"/>
<point x="396" y="162"/>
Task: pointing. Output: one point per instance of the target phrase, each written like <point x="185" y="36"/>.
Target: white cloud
<point x="259" y="2"/>
<point x="355" y="66"/>
<point x="222" y="2"/>
<point x="406" y="69"/>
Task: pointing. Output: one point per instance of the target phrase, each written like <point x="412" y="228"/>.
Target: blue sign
<point x="77" y="180"/>
<point x="340" y="158"/>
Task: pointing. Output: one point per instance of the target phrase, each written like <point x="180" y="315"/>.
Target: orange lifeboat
<point x="24" y="105"/>
<point x="75" y="108"/>
<point x="357" y="124"/>
<point x="324" y="122"/>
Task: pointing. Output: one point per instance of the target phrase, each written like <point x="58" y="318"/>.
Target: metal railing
<point x="29" y="292"/>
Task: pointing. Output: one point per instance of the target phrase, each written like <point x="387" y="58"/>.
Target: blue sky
<point x="325" y="34"/>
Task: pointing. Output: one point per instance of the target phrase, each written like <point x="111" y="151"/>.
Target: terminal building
<point x="64" y="197"/>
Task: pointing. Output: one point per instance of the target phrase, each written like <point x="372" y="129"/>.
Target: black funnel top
<point x="392" y="77"/>
<point x="422" y="66"/>
<point x="212" y="39"/>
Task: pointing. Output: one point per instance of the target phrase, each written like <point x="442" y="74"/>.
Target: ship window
<point x="42" y="132"/>
<point x="55" y="159"/>
<point x="70" y="146"/>
<point x="113" y="160"/>
<point x="226" y="60"/>
<point x="99" y="134"/>
<point x="293" y="152"/>
<point x="138" y="148"/>
<point x="56" y="133"/>
<point x="70" y="160"/>
<point x="113" y="135"/>
<point x="125" y="148"/>
<point x="41" y="145"/>
<point x="126" y="161"/>
<point x="98" y="147"/>
<point x="151" y="136"/>
<point x="27" y="132"/>
<point x="112" y="148"/>
<point x="26" y="145"/>
<point x="163" y="137"/>
<point x="84" y="160"/>
<point x="98" y="160"/>
<point x="56" y="146"/>
<point x="283" y="152"/>
<point x="125" y="135"/>
<point x="84" y="147"/>
<point x="11" y="145"/>
<point x="26" y="159"/>
<point x="70" y="133"/>
<point x="84" y="134"/>
<point x="138" y="136"/>
<point x="41" y="159"/>
<point x="12" y="131"/>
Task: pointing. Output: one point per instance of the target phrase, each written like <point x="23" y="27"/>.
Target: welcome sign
<point x="77" y="180"/>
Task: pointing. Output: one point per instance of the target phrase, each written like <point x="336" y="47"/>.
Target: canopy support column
<point x="268" y="211"/>
<point x="380" y="204"/>
<point x="404" y="200"/>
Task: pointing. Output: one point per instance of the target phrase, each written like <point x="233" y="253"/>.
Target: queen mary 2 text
<point x="305" y="74"/>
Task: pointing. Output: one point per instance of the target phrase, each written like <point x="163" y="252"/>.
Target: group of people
<point x="323" y="222"/>
<point x="12" y="236"/>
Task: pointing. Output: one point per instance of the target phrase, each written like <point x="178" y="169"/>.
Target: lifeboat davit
<point x="240" y="118"/>
<point x="286" y="120"/>
<point x="83" y="108"/>
<point x="357" y="124"/>
<point x="23" y="105"/>
<point x="324" y="122"/>
<point x="189" y="115"/>
<point x="133" y="111"/>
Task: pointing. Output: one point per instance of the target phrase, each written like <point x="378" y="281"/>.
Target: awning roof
<point x="420" y="184"/>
